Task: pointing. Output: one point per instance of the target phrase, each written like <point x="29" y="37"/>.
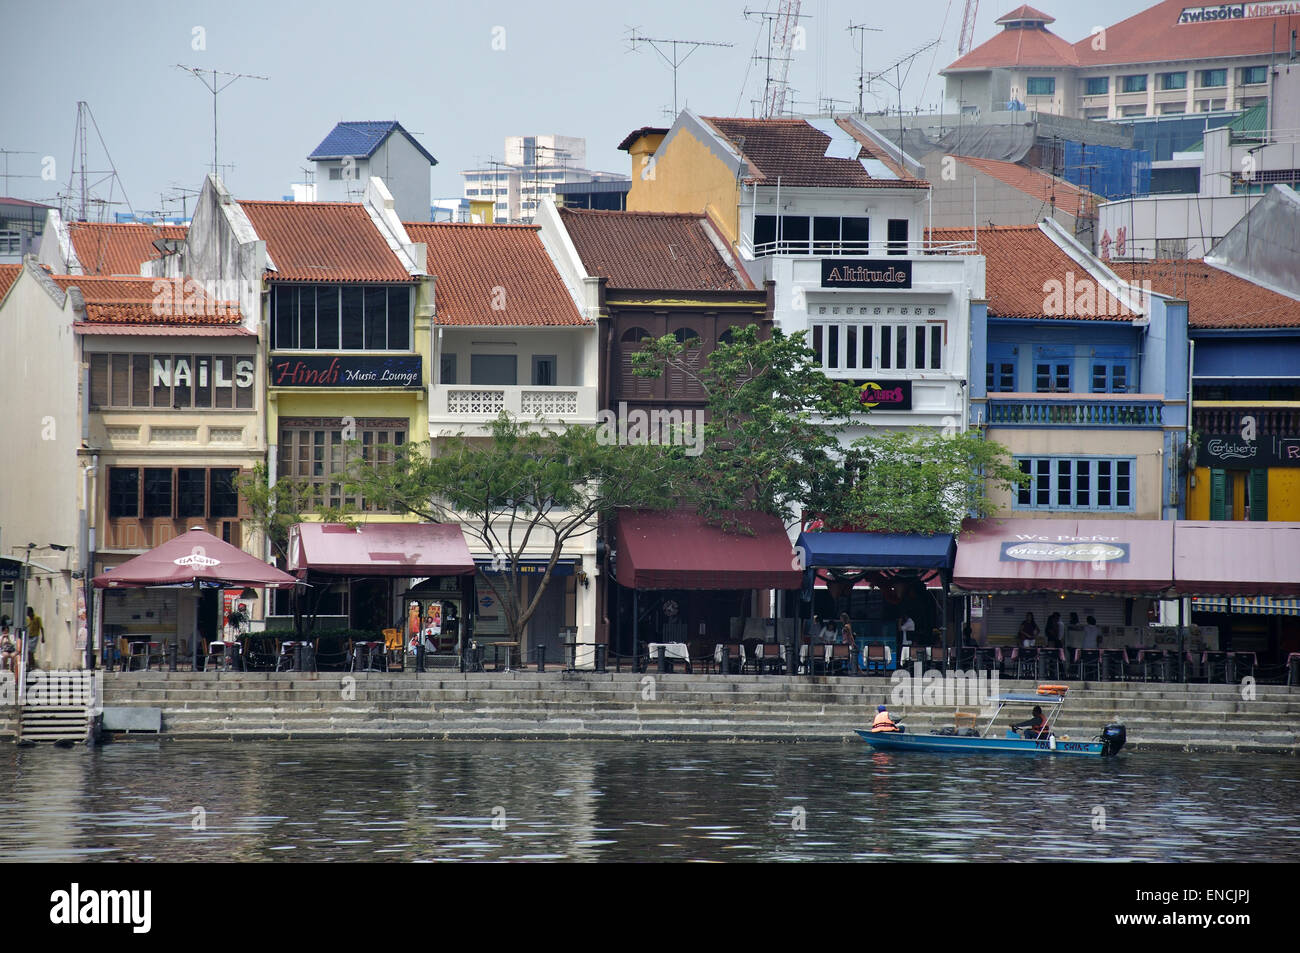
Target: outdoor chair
<point x="1026" y="663"/>
<point x="840" y="661"/>
<point x="1087" y="662"/>
<point x="394" y="651"/>
<point x="221" y="654"/>
<point x="877" y="657"/>
<point x="154" y="652"/>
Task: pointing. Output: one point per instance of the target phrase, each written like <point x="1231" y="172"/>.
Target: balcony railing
<point x="482" y="402"/>
<point x="1269" y="421"/>
<point x="886" y="249"/>
<point x="1074" y="410"/>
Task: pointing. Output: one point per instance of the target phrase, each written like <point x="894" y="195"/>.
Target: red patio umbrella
<point x="195" y="559"/>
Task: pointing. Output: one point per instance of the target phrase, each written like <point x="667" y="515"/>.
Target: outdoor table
<point x="496" y="654"/>
<point x="225" y="657"/>
<point x="1212" y="660"/>
<point x="364" y="655"/>
<point x="1109" y="659"/>
<point x="296" y="657"/>
<point x="988" y="656"/>
<point x="671" y="651"/>
<point x="773" y="658"/>
<point x="1156" y="660"/>
<point x="1053" y="659"/>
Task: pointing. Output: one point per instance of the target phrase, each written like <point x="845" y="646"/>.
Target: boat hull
<point x="906" y="741"/>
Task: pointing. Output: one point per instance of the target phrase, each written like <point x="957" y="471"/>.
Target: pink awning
<point x="1111" y="557"/>
<point x="194" y="556"/>
<point x="379" y="549"/>
<point x="1237" y="558"/>
<point x="677" y="549"/>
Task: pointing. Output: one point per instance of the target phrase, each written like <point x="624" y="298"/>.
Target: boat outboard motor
<point x="1113" y="737"/>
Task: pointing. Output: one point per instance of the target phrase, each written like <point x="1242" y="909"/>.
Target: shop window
<point x="1000" y="371"/>
<point x="1076" y="483"/>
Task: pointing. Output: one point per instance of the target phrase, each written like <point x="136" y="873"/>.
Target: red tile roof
<point x="162" y="330"/>
<point x="149" y="301"/>
<point x="324" y="241"/>
<point x="111" y="249"/>
<point x="636" y="134"/>
<point x="794" y="151"/>
<point x="1152" y="36"/>
<point x="1215" y="298"/>
<point x="1021" y="263"/>
<point x="1025" y="12"/>
<point x="1007" y="48"/>
<point x="1036" y="184"/>
<point x="493" y="276"/>
<point x="1156" y="36"/>
<point x="651" y="251"/>
<point x="8" y="275"/>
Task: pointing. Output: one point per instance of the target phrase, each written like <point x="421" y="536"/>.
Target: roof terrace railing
<point x="865" y="249"/>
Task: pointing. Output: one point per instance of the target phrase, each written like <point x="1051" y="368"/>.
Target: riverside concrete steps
<point x="669" y="707"/>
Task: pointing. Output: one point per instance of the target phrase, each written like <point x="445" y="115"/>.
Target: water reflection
<point x="499" y="801"/>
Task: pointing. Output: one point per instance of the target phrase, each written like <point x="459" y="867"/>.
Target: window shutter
<point x="1258" y="495"/>
<point x="1218" y="494"/>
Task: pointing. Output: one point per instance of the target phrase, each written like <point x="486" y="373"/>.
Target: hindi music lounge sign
<point x="866" y="273"/>
<point x="346" y="370"/>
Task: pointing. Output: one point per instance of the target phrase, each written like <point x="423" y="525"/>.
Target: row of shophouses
<point x="147" y="368"/>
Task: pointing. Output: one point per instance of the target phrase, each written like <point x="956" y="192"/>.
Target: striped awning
<point x="1247" y="605"/>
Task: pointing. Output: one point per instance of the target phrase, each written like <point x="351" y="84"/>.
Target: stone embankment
<point x="674" y="707"/>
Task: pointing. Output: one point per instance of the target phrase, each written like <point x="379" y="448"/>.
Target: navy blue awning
<point x="877" y="550"/>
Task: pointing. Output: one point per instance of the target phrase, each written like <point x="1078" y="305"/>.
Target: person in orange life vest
<point x="1036" y="726"/>
<point x="883" y="722"/>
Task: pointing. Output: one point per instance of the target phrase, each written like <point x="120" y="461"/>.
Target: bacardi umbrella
<point x="194" y="560"/>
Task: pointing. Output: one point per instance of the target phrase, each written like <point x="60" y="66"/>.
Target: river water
<point x="635" y="801"/>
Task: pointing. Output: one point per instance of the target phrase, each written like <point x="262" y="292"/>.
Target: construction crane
<point x="967" y="27"/>
<point x="783" y="32"/>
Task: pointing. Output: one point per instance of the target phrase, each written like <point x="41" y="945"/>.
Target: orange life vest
<point x="883" y="722"/>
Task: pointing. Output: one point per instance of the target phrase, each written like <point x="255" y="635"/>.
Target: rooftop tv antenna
<point x="899" y="79"/>
<point x="677" y="59"/>
<point x="861" y="44"/>
<point x="216" y="86"/>
<point x="7" y="175"/>
<point x="82" y="182"/>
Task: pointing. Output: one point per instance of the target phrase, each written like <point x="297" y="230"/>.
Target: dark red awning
<point x="194" y="556"/>
<point x="1104" y="557"/>
<point x="1237" y="559"/>
<point x="379" y="549"/>
<point x="677" y="549"/>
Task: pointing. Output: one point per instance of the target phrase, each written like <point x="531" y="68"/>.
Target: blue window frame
<point x="1111" y="371"/>
<point x="1077" y="483"/>
<point x="1052" y="369"/>
<point x="1001" y="369"/>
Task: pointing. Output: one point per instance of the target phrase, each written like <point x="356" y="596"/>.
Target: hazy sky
<point x="565" y="68"/>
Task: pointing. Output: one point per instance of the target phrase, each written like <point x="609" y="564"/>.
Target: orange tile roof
<point x="8" y="275"/>
<point x="1008" y="48"/>
<point x="149" y="301"/>
<point x="1025" y="12"/>
<point x="651" y="251"/>
<point x="112" y="249"/>
<point x="494" y="276"/>
<point x="1152" y="36"/>
<point x="1156" y="36"/>
<point x="1036" y="184"/>
<point x="1215" y="298"/>
<point x="1021" y="262"/>
<point x="794" y="151"/>
<point x="324" y="241"/>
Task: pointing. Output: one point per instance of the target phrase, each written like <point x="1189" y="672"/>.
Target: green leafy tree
<point x="272" y="510"/>
<point x="920" y="480"/>
<point x="771" y="441"/>
<point x="519" y="492"/>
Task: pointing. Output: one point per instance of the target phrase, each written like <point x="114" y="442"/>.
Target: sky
<point x="459" y="76"/>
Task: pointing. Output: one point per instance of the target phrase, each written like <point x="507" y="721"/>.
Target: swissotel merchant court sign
<point x="1237" y="11"/>
<point x="866" y="273"/>
<point x="347" y="370"/>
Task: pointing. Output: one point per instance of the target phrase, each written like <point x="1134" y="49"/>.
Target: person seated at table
<point x="1028" y="634"/>
<point x="8" y="648"/>
<point x="1035" y="727"/>
<point x="883" y="721"/>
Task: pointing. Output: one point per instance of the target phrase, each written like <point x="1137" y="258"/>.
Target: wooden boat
<point x="1106" y="744"/>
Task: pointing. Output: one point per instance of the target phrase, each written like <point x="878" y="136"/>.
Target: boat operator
<point x="1036" y="727"/>
<point x="883" y="722"/>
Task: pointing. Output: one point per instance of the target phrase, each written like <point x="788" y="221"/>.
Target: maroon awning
<point x="1111" y="557"/>
<point x="677" y="549"/>
<point x="379" y="549"/>
<point x="191" y="557"/>
<point x="1237" y="559"/>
